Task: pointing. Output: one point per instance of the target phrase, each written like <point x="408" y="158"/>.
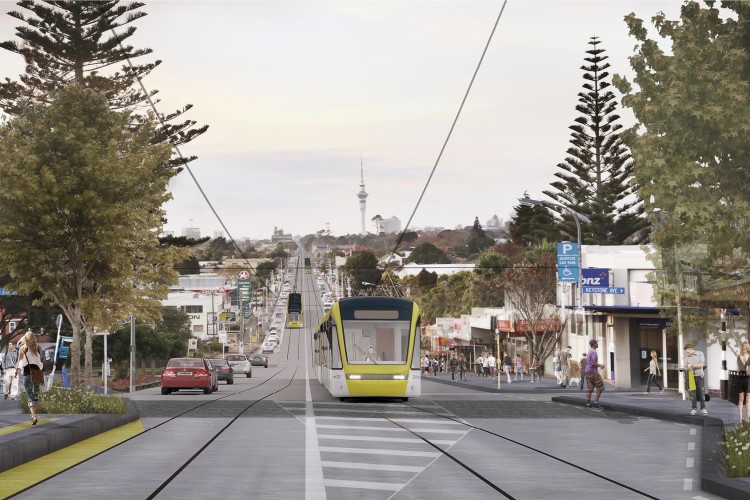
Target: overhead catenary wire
<point x="187" y="167"/>
<point x="447" y="138"/>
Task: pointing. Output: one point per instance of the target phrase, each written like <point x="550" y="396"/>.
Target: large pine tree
<point x="83" y="42"/>
<point x="595" y="178"/>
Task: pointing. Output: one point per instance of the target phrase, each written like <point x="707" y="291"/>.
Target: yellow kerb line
<point x="19" y="478"/>
<point x="4" y="431"/>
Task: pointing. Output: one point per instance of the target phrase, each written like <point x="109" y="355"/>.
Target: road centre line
<point x="690" y="462"/>
<point x="368" y="451"/>
<point x="400" y="420"/>
<point x="364" y="466"/>
<point x="691" y="445"/>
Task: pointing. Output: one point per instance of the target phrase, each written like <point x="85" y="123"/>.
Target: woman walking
<point x="743" y="365"/>
<point x="462" y="367"/>
<point x="653" y="372"/>
<point x="534" y="370"/>
<point x="519" y="367"/>
<point x="30" y="354"/>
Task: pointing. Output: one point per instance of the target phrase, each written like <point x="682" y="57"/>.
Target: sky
<point x="296" y="93"/>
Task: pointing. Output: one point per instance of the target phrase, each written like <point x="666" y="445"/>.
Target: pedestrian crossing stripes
<point x="376" y="447"/>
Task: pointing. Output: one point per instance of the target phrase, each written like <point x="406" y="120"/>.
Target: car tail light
<point x="200" y="373"/>
<point x="225" y="369"/>
<point x="169" y="372"/>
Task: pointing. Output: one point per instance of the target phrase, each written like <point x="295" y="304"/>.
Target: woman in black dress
<point x="743" y="366"/>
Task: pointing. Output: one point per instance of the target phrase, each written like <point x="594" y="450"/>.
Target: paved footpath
<point x="667" y="405"/>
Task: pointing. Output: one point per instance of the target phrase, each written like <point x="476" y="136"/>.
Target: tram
<point x="369" y="347"/>
<point x="294" y="310"/>
<point x="308" y="266"/>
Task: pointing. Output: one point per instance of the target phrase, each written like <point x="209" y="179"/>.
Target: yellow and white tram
<point x="369" y="347"/>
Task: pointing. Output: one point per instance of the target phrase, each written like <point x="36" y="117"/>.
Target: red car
<point x="188" y="373"/>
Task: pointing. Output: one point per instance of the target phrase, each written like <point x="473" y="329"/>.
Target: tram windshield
<point x="376" y="342"/>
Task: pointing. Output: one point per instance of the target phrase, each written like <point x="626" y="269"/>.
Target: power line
<point x="450" y="132"/>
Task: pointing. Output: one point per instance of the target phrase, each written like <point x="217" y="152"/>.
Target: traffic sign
<point x="602" y="289"/>
<point x="567" y="262"/>
<point x="243" y="275"/>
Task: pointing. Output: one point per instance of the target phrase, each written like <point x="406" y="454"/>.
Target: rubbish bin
<point x="736" y="380"/>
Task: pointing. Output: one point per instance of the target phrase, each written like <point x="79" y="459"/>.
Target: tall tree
<point x="478" y="239"/>
<point x="79" y="221"/>
<point x="362" y="268"/>
<point x="595" y="178"/>
<point x="82" y="41"/>
<point x="533" y="224"/>
<point x="690" y="95"/>
<point x="427" y="253"/>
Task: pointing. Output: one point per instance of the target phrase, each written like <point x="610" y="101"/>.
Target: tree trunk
<point x="87" y="360"/>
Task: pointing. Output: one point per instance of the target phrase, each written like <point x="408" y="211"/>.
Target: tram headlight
<point x="399" y="377"/>
<point x="354" y="377"/>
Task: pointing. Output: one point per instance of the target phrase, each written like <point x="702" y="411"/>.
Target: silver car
<point x="240" y="364"/>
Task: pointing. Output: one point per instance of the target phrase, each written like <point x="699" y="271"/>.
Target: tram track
<point x="507" y="439"/>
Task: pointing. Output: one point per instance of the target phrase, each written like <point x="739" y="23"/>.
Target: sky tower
<point x="362" y="195"/>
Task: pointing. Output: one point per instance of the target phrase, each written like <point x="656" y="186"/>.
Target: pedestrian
<point x="519" y="367"/>
<point x="10" y="380"/>
<point x="30" y="354"/>
<point x="695" y="362"/>
<point x="453" y="366"/>
<point x="480" y="365"/>
<point x="486" y="366"/>
<point x="653" y="372"/>
<point x="583" y="371"/>
<point x="492" y="364"/>
<point x="462" y="365"/>
<point x="47" y="364"/>
<point x="593" y="378"/>
<point x="507" y="362"/>
<point x="434" y="367"/>
<point x="743" y="366"/>
<point x="565" y="367"/>
<point x="535" y="375"/>
<point x="425" y="364"/>
<point x="556" y="367"/>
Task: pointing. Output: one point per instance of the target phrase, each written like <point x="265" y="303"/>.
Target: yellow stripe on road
<point x="10" y="429"/>
<point x="19" y="478"/>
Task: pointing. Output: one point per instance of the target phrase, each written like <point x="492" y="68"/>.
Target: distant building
<point x="279" y="236"/>
<point x="202" y="298"/>
<point x="362" y="195"/>
<point x="392" y="225"/>
<point x="494" y="224"/>
<point x="219" y="234"/>
<point x="191" y="232"/>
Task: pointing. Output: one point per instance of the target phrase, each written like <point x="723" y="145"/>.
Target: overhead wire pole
<point x="450" y="132"/>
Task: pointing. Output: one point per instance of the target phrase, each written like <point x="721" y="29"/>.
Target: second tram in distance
<point x="294" y="310"/>
<point x="369" y="347"/>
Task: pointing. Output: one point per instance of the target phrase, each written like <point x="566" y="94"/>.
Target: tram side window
<point x="336" y="362"/>
<point x="416" y="357"/>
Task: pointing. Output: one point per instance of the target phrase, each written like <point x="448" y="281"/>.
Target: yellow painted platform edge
<point x="19" y="478"/>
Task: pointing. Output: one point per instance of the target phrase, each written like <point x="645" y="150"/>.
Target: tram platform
<point x="668" y="405"/>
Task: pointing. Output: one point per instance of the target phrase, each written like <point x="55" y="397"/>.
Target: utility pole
<point x="132" y="353"/>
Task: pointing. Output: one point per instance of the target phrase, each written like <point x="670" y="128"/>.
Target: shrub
<point x="76" y="400"/>
<point x="736" y="450"/>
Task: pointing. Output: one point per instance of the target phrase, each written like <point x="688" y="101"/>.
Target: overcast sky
<point x="295" y="92"/>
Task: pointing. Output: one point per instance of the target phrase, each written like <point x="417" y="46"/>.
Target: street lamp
<point x="578" y="218"/>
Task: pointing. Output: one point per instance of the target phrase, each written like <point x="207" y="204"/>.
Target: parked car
<point x="188" y="374"/>
<point x="239" y="364"/>
<point x="272" y="338"/>
<point x="223" y="370"/>
<point x="259" y="360"/>
<point x="269" y="347"/>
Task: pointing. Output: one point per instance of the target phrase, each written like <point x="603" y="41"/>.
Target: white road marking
<point x="691" y="445"/>
<point x="690" y="462"/>
<point x="363" y="485"/>
<point x="364" y="466"/>
<point x="693" y="431"/>
<point x="381" y="439"/>
<point x="687" y="484"/>
<point x="366" y="451"/>
<point x="389" y="429"/>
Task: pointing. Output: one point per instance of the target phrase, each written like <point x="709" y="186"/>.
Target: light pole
<point x="577" y="218"/>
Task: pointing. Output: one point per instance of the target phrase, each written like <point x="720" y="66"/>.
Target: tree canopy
<point x="79" y="221"/>
<point x="81" y="41"/>
<point x="427" y="253"/>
